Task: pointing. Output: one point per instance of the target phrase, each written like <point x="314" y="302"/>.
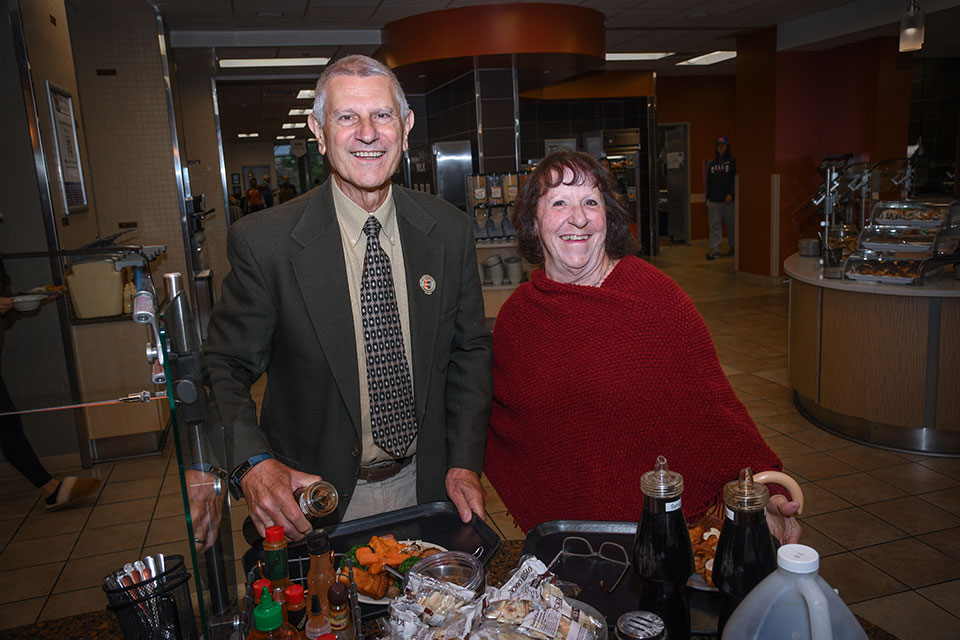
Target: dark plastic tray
<point x="545" y="540"/>
<point x="436" y="522"/>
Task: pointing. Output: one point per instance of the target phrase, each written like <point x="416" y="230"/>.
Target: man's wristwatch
<point x="236" y="490"/>
<point x="219" y="474"/>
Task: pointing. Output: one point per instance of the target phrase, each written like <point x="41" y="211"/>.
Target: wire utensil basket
<point x="155" y="608"/>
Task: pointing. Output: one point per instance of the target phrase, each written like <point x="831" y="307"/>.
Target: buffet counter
<point x="878" y="363"/>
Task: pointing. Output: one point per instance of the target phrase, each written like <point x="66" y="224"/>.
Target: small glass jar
<point x="318" y="500"/>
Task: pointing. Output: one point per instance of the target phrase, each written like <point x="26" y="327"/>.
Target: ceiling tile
<point x="386" y="15"/>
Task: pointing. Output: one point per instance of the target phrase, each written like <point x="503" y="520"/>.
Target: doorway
<point x="673" y="202"/>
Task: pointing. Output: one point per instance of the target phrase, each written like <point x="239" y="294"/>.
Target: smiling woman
<point x="632" y="370"/>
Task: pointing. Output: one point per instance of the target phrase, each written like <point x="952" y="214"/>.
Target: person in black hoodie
<point x="720" y="178"/>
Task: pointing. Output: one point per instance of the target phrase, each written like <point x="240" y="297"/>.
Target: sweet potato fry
<point x="367" y="556"/>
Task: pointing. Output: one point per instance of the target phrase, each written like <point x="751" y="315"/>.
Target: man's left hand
<point x="783" y="526"/>
<point x="466" y="492"/>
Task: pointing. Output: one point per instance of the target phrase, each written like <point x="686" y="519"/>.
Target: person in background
<point x="267" y="190"/>
<point x="286" y="191"/>
<point x="254" y="197"/>
<point x="721" y="172"/>
<point x="297" y="305"/>
<point x="601" y="363"/>
<point x="16" y="448"/>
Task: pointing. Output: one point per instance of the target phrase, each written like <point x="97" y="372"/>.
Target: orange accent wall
<point x="494" y="29"/>
<point x="603" y="84"/>
<point x="754" y="150"/>
<point x="850" y="99"/>
<point x="708" y="103"/>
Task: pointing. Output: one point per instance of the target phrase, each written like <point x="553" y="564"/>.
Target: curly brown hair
<point x="548" y="174"/>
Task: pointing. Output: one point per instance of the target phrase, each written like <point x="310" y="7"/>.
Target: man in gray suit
<point x="296" y="306"/>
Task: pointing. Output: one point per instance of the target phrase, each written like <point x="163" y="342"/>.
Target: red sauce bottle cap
<point x="294" y="594"/>
<point x="258" y="589"/>
<point x="327" y="636"/>
<point x="273" y="534"/>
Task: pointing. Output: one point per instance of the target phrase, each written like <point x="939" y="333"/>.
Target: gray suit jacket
<point x="285" y="310"/>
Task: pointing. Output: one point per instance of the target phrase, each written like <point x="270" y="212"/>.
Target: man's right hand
<point x="268" y="489"/>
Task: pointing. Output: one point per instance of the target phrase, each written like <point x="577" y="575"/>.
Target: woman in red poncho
<point x="601" y="363"/>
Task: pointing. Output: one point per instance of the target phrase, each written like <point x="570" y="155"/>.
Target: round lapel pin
<point x="428" y="284"/>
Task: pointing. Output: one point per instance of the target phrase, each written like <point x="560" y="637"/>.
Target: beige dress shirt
<point x="351" y="218"/>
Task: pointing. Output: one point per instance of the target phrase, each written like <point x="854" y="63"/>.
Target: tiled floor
<point x="883" y="522"/>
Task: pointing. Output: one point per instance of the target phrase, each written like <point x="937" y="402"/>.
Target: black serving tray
<point x="436" y="522"/>
<point x="545" y="540"/>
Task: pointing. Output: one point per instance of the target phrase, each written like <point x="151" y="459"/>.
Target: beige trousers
<point x="371" y="498"/>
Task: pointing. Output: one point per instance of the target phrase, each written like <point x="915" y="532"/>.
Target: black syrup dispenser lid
<point x="744" y="495"/>
<point x="661" y="482"/>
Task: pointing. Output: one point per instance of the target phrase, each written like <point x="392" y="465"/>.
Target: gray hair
<point x="361" y="67"/>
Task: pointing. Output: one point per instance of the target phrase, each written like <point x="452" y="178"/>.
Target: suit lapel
<point x="422" y="256"/>
<point x="322" y="278"/>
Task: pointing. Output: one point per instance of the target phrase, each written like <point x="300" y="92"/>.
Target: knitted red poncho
<point x="592" y="384"/>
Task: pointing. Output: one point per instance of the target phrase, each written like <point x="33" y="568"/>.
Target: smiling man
<point x="360" y="301"/>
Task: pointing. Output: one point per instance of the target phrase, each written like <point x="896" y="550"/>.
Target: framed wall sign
<point x="68" y="149"/>
<point x="559" y="144"/>
<point x="234" y="178"/>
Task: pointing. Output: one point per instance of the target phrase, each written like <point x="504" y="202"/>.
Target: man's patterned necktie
<point x="393" y="417"/>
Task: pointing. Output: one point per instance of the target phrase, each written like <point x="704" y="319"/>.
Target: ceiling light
<point x="286" y="137"/>
<point x="299" y="112"/>
<point x="620" y="57"/>
<point x="248" y="135"/>
<point x="311" y="139"/>
<point x="294" y="125"/>
<point x="911" y="28"/>
<point x="711" y="58"/>
<point x="272" y="62"/>
<point x="307" y="94"/>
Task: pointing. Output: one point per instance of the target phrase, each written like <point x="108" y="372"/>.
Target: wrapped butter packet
<point x="550" y="624"/>
<point x="574" y="614"/>
<point x="528" y="575"/>
<point x="439" y="600"/>
<point x="404" y="619"/>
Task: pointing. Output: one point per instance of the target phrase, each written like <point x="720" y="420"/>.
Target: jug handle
<point x="785" y="481"/>
<point x="817" y="608"/>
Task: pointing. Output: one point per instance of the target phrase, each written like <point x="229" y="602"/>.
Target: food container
<point x="476" y="190"/>
<point x="457" y="567"/>
<point x="96" y="289"/>
<point x="892" y="270"/>
<point x="910" y="239"/>
<point x="495" y="188"/>
<point x="912" y="213"/>
<point x="28" y="302"/>
<point x="511" y="186"/>
<point x="808" y="247"/>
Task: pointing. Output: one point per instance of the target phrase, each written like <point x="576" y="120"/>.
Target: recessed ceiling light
<point x="422" y="75"/>
<point x="710" y="58"/>
<point x="654" y="55"/>
<point x="248" y="135"/>
<point x="286" y="137"/>
<point x="270" y="14"/>
<point x="294" y="125"/>
<point x="299" y="112"/>
<point x="307" y="94"/>
<point x="272" y="62"/>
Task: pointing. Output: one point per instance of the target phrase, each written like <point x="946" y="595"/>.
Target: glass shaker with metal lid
<point x="663" y="556"/>
<point x="745" y="554"/>
<point x="640" y="625"/>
